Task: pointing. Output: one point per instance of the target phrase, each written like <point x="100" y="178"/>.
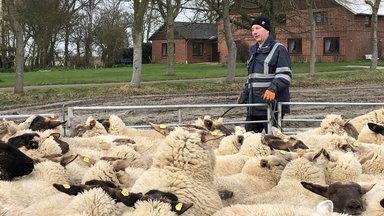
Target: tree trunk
<point x="169" y="12"/>
<point x="312" y="60"/>
<point x="170" y="46"/>
<point x="19" y="38"/>
<point x="231" y="45"/>
<point x="375" y="8"/>
<point x="137" y="35"/>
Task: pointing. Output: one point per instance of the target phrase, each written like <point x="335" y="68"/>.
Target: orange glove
<point x="269" y="96"/>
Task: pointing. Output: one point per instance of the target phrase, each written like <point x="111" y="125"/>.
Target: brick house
<point x="194" y="43"/>
<point x="343" y="32"/>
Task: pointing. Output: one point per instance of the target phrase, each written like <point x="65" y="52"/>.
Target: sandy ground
<point x="359" y="93"/>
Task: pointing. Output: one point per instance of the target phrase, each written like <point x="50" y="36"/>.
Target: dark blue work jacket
<point x="269" y="67"/>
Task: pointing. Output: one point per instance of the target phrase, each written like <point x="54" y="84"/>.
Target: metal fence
<point x="69" y="113"/>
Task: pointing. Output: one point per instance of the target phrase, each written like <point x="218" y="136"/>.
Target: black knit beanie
<point x="262" y="21"/>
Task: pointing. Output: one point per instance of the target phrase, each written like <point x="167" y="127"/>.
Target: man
<point x="269" y="76"/>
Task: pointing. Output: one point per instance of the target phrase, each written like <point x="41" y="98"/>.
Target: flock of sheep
<point x="107" y="168"/>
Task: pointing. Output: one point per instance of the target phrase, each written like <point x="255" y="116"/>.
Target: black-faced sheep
<point x="13" y="162"/>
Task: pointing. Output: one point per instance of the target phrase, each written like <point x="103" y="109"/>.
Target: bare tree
<point x="70" y="8"/>
<point x="169" y="11"/>
<point x="223" y="10"/>
<point x="375" y="4"/>
<point x="139" y="8"/>
<point x="15" y="18"/>
<point x="90" y="6"/>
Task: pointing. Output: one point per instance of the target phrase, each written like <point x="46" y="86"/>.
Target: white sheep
<point x="184" y="166"/>
<point x="374" y="116"/>
<point x="333" y="124"/>
<point x="370" y="156"/>
<point x="254" y="178"/>
<point x="324" y="208"/>
<point x="341" y="167"/>
<point x="371" y="133"/>
<point x="297" y="170"/>
<point x="232" y="164"/>
<point x="230" y="144"/>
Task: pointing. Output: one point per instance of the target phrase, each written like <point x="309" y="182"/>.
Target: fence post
<point x="270" y="118"/>
<point x="279" y="114"/>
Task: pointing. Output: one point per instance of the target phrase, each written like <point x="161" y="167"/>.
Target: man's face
<point x="259" y="33"/>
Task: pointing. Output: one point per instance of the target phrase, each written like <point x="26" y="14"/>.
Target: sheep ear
<point x="367" y="158"/>
<point x="92" y="123"/>
<point x="325" y="207"/>
<point x="55" y="136"/>
<point x="240" y="139"/>
<point x="78" y="131"/>
<point x="123" y="195"/>
<point x="225" y="130"/>
<point x="376" y="128"/>
<point x="180" y="208"/>
<point x="161" y="128"/>
<point x="316" y="188"/>
<point x="366" y="188"/>
<point x="326" y="154"/>
<point x="350" y="130"/>
<point x="208" y="123"/>
<point x="124" y="141"/>
<point x="53" y="123"/>
<point x="210" y="135"/>
<point x="321" y="151"/>
<point x="71" y="189"/>
<point x="63" y="160"/>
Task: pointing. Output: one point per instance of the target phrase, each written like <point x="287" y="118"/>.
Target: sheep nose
<point x="354" y="204"/>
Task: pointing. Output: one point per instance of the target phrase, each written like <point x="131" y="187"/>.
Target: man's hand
<point x="269" y="96"/>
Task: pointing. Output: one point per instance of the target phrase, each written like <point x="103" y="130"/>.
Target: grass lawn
<point x="326" y="74"/>
<point x="154" y="72"/>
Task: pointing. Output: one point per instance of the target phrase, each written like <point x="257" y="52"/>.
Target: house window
<point x="367" y="21"/>
<point x="164" y="49"/>
<point x="197" y="49"/>
<point x="294" y="45"/>
<point x="332" y="45"/>
<point x="320" y="17"/>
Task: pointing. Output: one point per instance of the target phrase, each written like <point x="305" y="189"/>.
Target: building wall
<point x="354" y="34"/>
<point x="181" y="52"/>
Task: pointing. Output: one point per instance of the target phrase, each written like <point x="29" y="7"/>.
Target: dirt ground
<point x="359" y="93"/>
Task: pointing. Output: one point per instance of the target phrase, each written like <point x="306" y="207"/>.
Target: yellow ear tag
<point x="214" y="133"/>
<point x="163" y="126"/>
<point x="285" y="140"/>
<point x="237" y="128"/>
<point x="29" y="120"/>
<point x="50" y="137"/>
<point x="53" y="116"/>
<point x="86" y="159"/>
<point x="66" y="186"/>
<point x="356" y="143"/>
<point x="179" y="206"/>
<point x="282" y="152"/>
<point x="125" y="192"/>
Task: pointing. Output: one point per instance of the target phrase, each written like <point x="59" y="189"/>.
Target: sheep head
<point x="346" y="197"/>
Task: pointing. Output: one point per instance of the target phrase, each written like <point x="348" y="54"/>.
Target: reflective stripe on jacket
<point x="269" y="67"/>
